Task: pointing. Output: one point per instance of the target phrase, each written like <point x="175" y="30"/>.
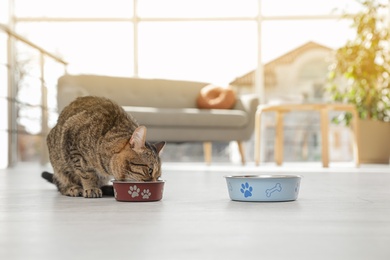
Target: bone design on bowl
<point x="263" y="187"/>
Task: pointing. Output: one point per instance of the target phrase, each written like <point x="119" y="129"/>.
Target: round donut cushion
<point x="215" y="97"/>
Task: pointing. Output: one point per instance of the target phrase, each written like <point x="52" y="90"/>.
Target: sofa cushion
<point x="215" y="97"/>
<point x="191" y="117"/>
<point x="130" y="91"/>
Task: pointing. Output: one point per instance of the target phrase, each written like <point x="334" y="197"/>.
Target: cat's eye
<point x="150" y="171"/>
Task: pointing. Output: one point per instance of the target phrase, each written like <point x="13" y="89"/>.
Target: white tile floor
<point x="342" y="213"/>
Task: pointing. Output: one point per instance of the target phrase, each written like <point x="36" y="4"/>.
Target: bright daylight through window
<point x="216" y="41"/>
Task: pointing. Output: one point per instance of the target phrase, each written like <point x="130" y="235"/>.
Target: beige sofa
<point x="167" y="108"/>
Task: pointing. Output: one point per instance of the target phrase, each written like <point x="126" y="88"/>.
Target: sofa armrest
<point x="248" y="103"/>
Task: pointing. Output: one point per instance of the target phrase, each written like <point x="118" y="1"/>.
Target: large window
<point x="193" y="9"/>
<point x="282" y="9"/>
<point x="204" y="40"/>
<point x="4" y="19"/>
<point x="88" y="47"/>
<point x="204" y="51"/>
<point x="3" y="101"/>
<point x="46" y="9"/>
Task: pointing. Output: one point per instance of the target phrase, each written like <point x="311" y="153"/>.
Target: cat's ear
<point x="137" y="140"/>
<point x="159" y="147"/>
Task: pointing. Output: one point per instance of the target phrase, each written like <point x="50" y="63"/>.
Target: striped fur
<point x="95" y="140"/>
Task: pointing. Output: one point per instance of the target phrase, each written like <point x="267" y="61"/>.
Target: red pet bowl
<point x="138" y="191"/>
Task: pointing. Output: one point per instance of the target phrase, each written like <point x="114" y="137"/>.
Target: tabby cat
<point x="95" y="140"/>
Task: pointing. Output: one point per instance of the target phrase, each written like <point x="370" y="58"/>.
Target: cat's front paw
<point x="93" y="193"/>
<point x="74" y="191"/>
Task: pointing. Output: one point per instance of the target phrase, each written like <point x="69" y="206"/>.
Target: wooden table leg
<point x="279" y="138"/>
<point x="257" y="137"/>
<point x="207" y="150"/>
<point x="325" y="137"/>
<point x="242" y="151"/>
<point x="355" y="145"/>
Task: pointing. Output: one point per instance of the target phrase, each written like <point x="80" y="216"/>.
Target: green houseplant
<point x="360" y="75"/>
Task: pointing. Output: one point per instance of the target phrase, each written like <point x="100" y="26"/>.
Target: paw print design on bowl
<point x="297" y="188"/>
<point x="263" y="187"/>
<point x="146" y="194"/>
<point x="138" y="191"/>
<point x="134" y="191"/>
<point x="246" y="190"/>
<point x="230" y="187"/>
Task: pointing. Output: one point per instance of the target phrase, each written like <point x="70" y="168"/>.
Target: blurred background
<point x="280" y="49"/>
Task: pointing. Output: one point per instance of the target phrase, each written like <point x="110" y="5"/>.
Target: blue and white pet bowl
<point x="263" y="187"/>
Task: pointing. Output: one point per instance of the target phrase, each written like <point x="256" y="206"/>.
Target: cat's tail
<point x="107" y="190"/>
<point x="47" y="176"/>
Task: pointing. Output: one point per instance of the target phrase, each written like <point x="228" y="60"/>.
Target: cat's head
<point x="138" y="160"/>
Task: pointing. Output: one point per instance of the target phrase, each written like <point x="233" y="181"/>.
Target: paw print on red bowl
<point x="134" y="191"/>
<point x="138" y="191"/>
<point x="146" y="194"/>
